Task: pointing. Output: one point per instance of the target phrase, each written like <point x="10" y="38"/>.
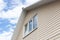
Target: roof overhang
<point x="39" y="3"/>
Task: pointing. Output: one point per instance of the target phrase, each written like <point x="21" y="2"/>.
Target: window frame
<point x="28" y="26"/>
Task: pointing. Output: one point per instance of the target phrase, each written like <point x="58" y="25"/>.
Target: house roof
<point x="39" y="3"/>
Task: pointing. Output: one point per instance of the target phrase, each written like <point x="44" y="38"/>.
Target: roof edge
<point x="39" y="3"/>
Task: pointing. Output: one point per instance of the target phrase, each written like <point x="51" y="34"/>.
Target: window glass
<point x="30" y="25"/>
<point x="34" y="22"/>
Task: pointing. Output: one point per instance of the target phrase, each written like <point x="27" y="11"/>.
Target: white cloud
<point x="13" y="21"/>
<point x="30" y="2"/>
<point x="16" y="2"/>
<point x="6" y="35"/>
<point x="16" y="11"/>
<point x="11" y="13"/>
<point x="2" y="5"/>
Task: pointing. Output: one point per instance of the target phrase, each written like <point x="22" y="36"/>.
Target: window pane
<point x="26" y="28"/>
<point x="30" y="25"/>
<point x="34" y="22"/>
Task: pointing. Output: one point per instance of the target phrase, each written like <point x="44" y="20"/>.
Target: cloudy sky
<point x="10" y="11"/>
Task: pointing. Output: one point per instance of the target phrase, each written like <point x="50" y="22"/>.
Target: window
<point x="34" y="22"/>
<point x="31" y="25"/>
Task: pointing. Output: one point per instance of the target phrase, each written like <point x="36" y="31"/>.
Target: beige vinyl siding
<point x="48" y="22"/>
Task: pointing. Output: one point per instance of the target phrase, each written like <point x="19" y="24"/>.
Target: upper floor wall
<point x="48" y="22"/>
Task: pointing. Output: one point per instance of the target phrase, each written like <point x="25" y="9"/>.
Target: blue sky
<point x="10" y="11"/>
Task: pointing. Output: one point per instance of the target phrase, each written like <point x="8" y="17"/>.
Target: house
<point x="39" y="21"/>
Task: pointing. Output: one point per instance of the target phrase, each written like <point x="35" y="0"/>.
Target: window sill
<point x="29" y="33"/>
